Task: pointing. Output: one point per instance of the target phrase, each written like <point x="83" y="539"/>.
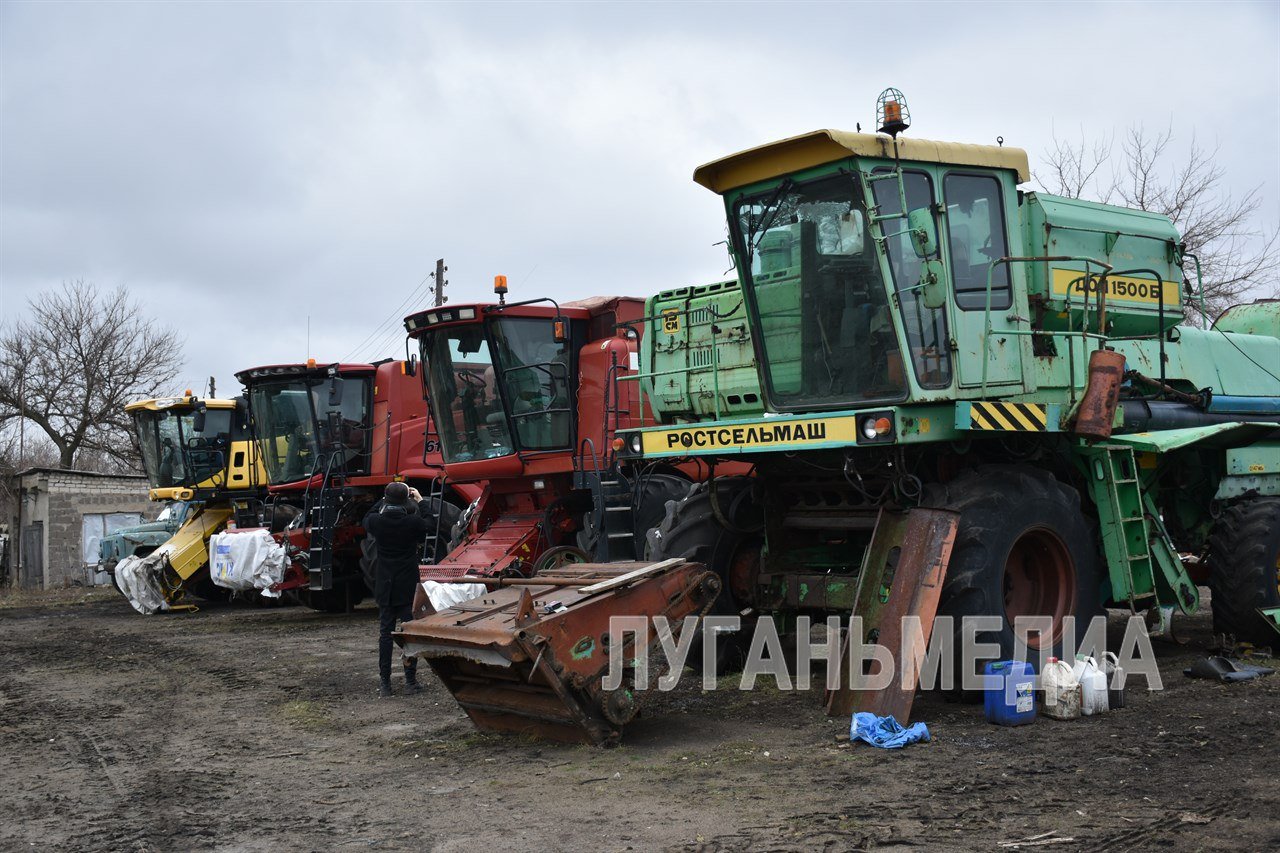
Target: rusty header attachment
<point x="531" y="658"/>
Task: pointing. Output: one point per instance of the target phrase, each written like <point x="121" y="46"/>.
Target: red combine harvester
<point x="526" y="399"/>
<point x="331" y="437"/>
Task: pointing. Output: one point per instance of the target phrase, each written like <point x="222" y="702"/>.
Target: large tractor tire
<point x="206" y="590"/>
<point x="690" y="529"/>
<point x="436" y="512"/>
<point x="334" y="600"/>
<point x="1023" y="547"/>
<point x="1244" y="569"/>
<point x="648" y="511"/>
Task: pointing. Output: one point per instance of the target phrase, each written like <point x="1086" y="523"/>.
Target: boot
<point x="384" y="690"/>
<point x="411" y="685"/>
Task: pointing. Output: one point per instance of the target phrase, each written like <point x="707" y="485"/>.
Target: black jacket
<point x="399" y="533"/>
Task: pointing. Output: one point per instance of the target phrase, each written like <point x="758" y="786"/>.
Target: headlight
<point x="876" y="427"/>
<point x="636" y="444"/>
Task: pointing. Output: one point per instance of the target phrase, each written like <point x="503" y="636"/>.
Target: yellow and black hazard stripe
<point x="995" y="416"/>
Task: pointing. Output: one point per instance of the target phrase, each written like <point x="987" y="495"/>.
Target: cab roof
<point x="182" y="402"/>
<point x="310" y="368"/>
<point x="820" y="147"/>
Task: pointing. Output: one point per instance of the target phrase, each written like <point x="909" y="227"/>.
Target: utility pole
<point x="438" y="289"/>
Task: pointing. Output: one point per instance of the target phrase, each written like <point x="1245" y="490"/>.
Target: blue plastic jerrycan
<point x="1009" y="697"/>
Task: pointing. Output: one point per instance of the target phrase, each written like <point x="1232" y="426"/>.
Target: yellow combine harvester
<point x="197" y="451"/>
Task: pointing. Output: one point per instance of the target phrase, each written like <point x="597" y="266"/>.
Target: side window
<point x="976" y="234"/>
<point x="926" y="327"/>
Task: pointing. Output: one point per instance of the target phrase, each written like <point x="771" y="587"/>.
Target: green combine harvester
<point x="957" y="397"/>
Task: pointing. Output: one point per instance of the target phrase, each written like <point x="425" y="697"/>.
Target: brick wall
<point x="71" y="495"/>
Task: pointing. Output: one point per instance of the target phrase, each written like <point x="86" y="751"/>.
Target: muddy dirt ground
<point x="258" y="729"/>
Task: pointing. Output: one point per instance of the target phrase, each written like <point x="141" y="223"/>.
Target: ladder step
<point x="626" y="508"/>
<point x="621" y="536"/>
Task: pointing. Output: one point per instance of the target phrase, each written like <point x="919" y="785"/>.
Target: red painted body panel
<point x="401" y="445"/>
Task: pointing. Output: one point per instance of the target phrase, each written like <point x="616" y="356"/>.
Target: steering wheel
<point x="472" y="379"/>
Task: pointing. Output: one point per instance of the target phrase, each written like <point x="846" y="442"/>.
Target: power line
<point x="396" y="316"/>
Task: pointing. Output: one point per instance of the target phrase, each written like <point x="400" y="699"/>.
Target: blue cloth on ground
<point x="885" y="732"/>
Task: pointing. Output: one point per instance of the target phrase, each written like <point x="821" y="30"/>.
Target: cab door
<point x="976" y="233"/>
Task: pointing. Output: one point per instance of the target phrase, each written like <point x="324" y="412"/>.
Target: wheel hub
<point x="1040" y="581"/>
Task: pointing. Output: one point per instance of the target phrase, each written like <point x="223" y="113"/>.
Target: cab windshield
<point x="307" y="426"/>
<point x="493" y="394"/>
<point x="175" y="454"/>
<point x="821" y="307"/>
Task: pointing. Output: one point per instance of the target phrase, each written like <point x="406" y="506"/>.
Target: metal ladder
<point x="612" y="504"/>
<point x="615" y="518"/>
<point x="1133" y="537"/>
<point x="321" y="519"/>
<point x="434" y="499"/>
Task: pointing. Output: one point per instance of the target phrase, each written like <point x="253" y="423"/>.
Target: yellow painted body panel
<point x="235" y="477"/>
<point x="827" y="146"/>
<point x="188" y="549"/>
<point x="1120" y="288"/>
<point x="780" y="433"/>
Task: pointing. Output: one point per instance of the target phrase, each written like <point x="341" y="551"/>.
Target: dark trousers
<point x="387" y="617"/>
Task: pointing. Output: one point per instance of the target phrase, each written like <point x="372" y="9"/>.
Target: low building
<point x="62" y="515"/>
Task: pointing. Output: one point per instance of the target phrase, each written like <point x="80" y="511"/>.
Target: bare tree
<point x="69" y="369"/>
<point x="1238" y="255"/>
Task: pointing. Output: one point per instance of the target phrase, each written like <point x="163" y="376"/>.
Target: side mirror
<point x="335" y="391"/>
<point x="198" y="420"/>
<point x="924" y="232"/>
<point x="411" y="365"/>
<point x="933" y="284"/>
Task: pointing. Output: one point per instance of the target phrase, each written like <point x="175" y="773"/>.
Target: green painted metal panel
<point x="1213" y="435"/>
<point x="1256" y="318"/>
<point x="697" y="353"/>
<point x="1261" y="458"/>
<point x="1139" y="246"/>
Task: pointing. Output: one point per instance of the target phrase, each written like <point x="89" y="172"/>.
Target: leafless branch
<point x="1237" y="249"/>
<point x="72" y="365"/>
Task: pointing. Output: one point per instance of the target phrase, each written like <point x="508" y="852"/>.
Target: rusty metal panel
<point x="903" y="576"/>
<point x="530" y="655"/>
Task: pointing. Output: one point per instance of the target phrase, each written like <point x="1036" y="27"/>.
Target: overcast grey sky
<point x="241" y="166"/>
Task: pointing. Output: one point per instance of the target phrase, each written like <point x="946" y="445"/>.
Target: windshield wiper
<point x="760" y="228"/>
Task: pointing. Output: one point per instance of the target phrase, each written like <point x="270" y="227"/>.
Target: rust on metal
<point x="903" y="576"/>
<point x="1101" y="395"/>
<point x="531" y="659"/>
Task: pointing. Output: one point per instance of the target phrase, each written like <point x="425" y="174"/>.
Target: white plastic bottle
<point x="1061" y="691"/>
<point x="1115" y="681"/>
<point x="1093" y="686"/>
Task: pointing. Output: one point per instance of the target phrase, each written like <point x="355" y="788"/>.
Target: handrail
<point x="986" y="330"/>
<point x="715" y="315"/>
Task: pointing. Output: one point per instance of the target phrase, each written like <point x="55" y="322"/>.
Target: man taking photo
<point x="399" y="532"/>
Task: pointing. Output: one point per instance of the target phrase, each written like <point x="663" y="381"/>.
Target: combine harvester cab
<point x="526" y="399"/>
<point x="198" y="456"/>
<point x="331" y="437"/>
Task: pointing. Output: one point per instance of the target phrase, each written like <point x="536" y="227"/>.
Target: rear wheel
<point x="691" y="529"/>
<point x="1244" y="569"/>
<point x="342" y="598"/>
<point x="441" y="517"/>
<point x="649" y="507"/>
<point x="1024" y="548"/>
